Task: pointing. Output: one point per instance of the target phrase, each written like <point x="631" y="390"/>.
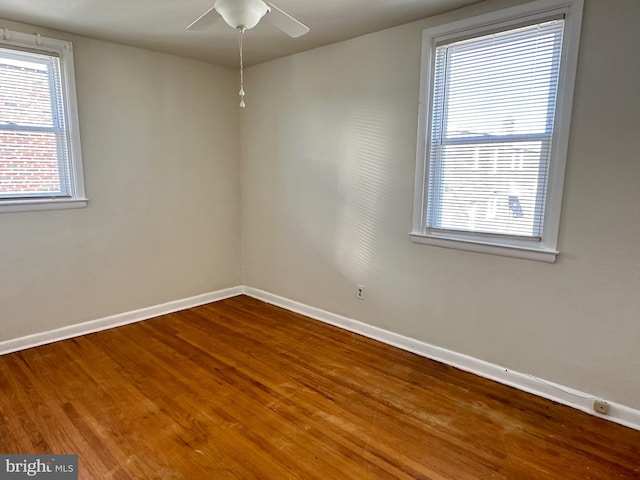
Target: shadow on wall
<point x="363" y="174"/>
<point x="334" y="157"/>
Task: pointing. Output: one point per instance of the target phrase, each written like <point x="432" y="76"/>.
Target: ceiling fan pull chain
<point x="242" y="104"/>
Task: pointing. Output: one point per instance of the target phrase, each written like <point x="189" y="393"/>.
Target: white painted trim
<point x="570" y="397"/>
<point x="47" y="204"/>
<point x="514" y="251"/>
<point x="112" y="321"/>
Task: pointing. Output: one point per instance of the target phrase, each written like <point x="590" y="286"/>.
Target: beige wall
<point x="328" y="155"/>
<point x="160" y="150"/>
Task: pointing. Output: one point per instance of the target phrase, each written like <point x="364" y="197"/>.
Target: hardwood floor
<point x="243" y="390"/>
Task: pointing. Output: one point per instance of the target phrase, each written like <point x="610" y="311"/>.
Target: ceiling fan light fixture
<point x="242" y="13"/>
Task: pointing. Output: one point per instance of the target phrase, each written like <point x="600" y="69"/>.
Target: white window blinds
<point x="34" y="156"/>
<point x="493" y="108"/>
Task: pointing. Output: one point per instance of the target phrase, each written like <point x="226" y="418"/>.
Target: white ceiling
<point x="160" y="24"/>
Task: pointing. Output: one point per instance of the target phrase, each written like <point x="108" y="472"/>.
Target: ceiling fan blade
<point x="205" y="20"/>
<point x="286" y="22"/>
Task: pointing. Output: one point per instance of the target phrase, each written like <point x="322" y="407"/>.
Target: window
<point x="496" y="93"/>
<point x="40" y="158"/>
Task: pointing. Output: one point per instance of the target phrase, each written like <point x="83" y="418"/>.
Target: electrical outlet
<point x="360" y="292"/>
<point x="601" y="406"/>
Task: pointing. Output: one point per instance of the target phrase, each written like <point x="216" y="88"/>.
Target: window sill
<point x="527" y="253"/>
<point x="42" y="204"/>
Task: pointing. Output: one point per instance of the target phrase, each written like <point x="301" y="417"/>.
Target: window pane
<point x="25" y="93"/>
<point x="492" y="120"/>
<point x="29" y="164"/>
<point x="490" y="188"/>
<point x="503" y="83"/>
<point x="33" y="146"/>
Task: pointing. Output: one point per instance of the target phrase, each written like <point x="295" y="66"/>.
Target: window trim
<point x="546" y="249"/>
<point x="64" y="50"/>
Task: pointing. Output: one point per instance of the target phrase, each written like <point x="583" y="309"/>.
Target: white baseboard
<point x="112" y="321"/>
<point x="618" y="413"/>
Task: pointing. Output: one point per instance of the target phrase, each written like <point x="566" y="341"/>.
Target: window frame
<point x="536" y="11"/>
<point x="64" y="51"/>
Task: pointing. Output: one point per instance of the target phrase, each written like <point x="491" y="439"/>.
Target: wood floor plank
<point x="240" y="389"/>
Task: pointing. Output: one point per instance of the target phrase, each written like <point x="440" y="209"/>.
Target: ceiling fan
<point x="244" y="15"/>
